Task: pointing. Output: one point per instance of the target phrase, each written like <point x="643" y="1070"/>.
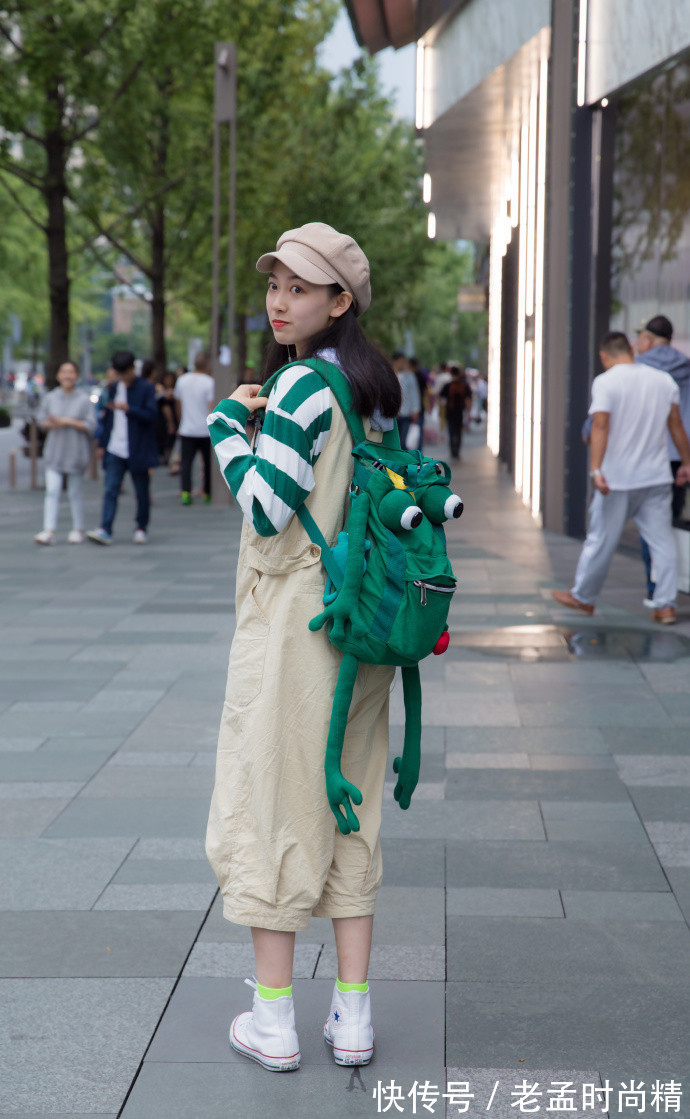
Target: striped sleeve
<point x="272" y="481"/>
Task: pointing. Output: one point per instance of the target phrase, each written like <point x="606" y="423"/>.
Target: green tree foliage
<point x="441" y="333"/>
<point x="652" y="170"/>
<point x="60" y="67"/>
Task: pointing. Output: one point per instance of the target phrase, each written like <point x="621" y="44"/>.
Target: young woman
<point x="67" y="415"/>
<point x="272" y="838"/>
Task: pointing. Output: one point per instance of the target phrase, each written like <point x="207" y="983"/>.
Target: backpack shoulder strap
<point x="337" y="383"/>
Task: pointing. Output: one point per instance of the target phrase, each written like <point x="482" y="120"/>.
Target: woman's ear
<point x="341" y="302"/>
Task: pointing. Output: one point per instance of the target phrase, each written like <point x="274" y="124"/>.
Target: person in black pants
<point x="458" y="397"/>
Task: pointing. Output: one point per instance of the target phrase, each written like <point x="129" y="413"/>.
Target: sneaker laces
<point x="253" y="982"/>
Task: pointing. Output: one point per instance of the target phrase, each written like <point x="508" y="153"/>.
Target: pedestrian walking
<point x="458" y="398"/>
<point x="654" y="348"/>
<point x="272" y="838"/>
<point x="166" y="419"/>
<point x="127" y="442"/>
<point x="195" y="393"/>
<point x="411" y="400"/>
<point x="633" y="407"/>
<point x="67" y="415"/>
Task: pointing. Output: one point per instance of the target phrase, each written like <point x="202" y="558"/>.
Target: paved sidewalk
<point x="532" y="927"/>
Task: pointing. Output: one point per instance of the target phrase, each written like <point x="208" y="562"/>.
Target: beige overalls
<point x="272" y="839"/>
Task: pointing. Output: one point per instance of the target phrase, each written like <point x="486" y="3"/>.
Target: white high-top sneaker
<point x="348" y="1028"/>
<point x="267" y="1033"/>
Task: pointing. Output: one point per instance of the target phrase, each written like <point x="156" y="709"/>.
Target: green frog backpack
<point x="389" y="583"/>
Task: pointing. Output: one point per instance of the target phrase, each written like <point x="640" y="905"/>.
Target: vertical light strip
<point x="431" y="225"/>
<point x="529" y="297"/>
<point x="419" y="99"/>
<point x="520" y="353"/>
<point x="496" y="250"/>
<point x="426" y="187"/>
<point x="582" y="55"/>
<point x="539" y="286"/>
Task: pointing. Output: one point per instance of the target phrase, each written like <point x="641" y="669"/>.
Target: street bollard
<point x="13" y="469"/>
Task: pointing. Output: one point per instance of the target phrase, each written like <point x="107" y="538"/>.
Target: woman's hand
<point x="249" y="396"/>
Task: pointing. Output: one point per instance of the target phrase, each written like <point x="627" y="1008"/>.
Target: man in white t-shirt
<point x="633" y="407"/>
<point x="195" y="396"/>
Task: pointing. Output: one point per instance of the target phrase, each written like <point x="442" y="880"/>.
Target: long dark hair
<point x="372" y="380"/>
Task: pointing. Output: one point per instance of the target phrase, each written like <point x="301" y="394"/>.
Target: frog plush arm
<point x="407" y="767"/>
<point x="341" y="793"/>
<point x="345" y="606"/>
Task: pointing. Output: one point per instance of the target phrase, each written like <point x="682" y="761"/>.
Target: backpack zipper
<point x="424" y="586"/>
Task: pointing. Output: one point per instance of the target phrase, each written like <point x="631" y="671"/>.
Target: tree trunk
<point x="158" y="346"/>
<point x="55" y="192"/>
<point x="241" y="362"/>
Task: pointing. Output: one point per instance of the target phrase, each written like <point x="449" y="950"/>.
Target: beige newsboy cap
<point x="320" y="255"/>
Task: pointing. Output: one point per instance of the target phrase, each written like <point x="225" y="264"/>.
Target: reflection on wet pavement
<point x="560" y="643"/>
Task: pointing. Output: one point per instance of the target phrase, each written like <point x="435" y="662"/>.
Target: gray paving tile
<point x="499" y="1090"/>
<point x="572" y="865"/>
<point x="57" y="874"/>
<point x="661" y="803"/>
<point x="522" y="950"/>
<point x="152" y="758"/>
<point x="52" y="1069"/>
<point x="594" y="811"/>
<point x="174" y="896"/>
<point x="570" y="713"/>
<point x="588" y="1025"/>
<point x="411" y="915"/>
<point x="575" y="740"/>
<point x="154" y="781"/>
<point x="571" y="761"/>
<point x="138" y="816"/>
<point x="603" y="831"/>
<point x="174" y="848"/>
<point x="39" y="765"/>
<point x="182" y="1090"/>
<point x="393" y="961"/>
<point x="232" y="960"/>
<point x="535" y="785"/>
<point x="143" y="871"/>
<point x="645" y="740"/>
<point x="605" y="905"/>
<point x="95" y="944"/>
<point x="39" y="790"/>
<point x="77" y="744"/>
<point x="466" y="819"/>
<point x="654" y="769"/>
<point x="20" y="745"/>
<point x="487" y="901"/>
<point x="132" y="699"/>
<point x="195" y="1025"/>
<point x="461" y="759"/>
<point x="19" y="821"/>
<point x="671" y="842"/>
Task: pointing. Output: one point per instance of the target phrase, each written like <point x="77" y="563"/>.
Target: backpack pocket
<point x="421" y="617"/>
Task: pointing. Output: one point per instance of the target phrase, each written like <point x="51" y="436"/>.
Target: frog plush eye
<point x="440" y="504"/>
<point x="399" y="511"/>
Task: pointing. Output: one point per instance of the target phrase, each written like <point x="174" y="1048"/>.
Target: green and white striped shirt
<point x="272" y="481"/>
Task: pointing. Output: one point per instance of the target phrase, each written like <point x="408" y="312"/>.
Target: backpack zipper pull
<point x="422" y="591"/>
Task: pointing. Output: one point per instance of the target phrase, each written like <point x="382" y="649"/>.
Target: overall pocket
<point x="248" y="652"/>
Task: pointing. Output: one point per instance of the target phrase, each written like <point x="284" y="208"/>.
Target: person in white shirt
<point x="633" y="407"/>
<point x="195" y="397"/>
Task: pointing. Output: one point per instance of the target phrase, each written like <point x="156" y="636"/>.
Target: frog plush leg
<point x="340" y="792"/>
<point x="407" y="767"/>
<point x="345" y="607"/>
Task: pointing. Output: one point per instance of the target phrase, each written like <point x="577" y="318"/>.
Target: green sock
<point x="273" y="992"/>
<point x="345" y="987"/>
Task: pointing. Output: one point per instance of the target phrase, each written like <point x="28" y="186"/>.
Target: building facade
<point x="556" y="131"/>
